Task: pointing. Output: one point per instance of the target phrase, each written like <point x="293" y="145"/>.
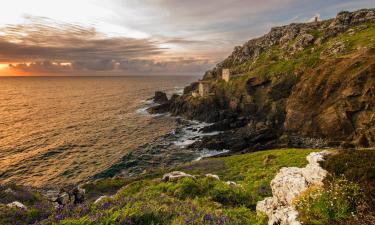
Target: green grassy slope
<point x="187" y="201"/>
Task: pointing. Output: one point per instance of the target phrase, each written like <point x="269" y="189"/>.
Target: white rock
<point x="316" y="157"/>
<point x="284" y="216"/>
<point x="176" y="175"/>
<point x="17" y="205"/>
<point x="101" y="198"/>
<point x="213" y="176"/>
<point x="231" y="183"/>
<point x="266" y="206"/>
<point x="288" y="184"/>
<point x="314" y="174"/>
<point x="9" y="191"/>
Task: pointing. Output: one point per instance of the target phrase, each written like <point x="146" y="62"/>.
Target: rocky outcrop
<point x="251" y="50"/>
<point x="160" y="97"/>
<point x="176" y="175"/>
<point x="330" y="102"/>
<point x="213" y="176"/>
<point x="68" y="196"/>
<point x="17" y="205"/>
<point x="288" y="184"/>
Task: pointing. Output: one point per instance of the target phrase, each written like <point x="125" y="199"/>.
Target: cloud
<point x="42" y="66"/>
<point x="47" y="46"/>
<point x="177" y="66"/>
<point x="179" y="37"/>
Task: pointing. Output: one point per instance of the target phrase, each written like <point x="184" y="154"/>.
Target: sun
<point x="5" y="70"/>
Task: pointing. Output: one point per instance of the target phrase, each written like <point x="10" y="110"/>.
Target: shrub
<point x="357" y="166"/>
<point x="334" y="203"/>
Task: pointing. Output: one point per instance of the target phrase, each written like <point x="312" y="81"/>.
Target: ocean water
<point x="62" y="130"/>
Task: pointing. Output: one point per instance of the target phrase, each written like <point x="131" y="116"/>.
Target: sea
<point x="63" y="130"/>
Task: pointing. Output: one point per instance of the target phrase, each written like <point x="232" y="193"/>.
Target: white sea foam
<point x="192" y="133"/>
<point x="209" y="153"/>
<point x="146" y="104"/>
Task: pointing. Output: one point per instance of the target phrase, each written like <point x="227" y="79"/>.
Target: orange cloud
<point x="64" y="49"/>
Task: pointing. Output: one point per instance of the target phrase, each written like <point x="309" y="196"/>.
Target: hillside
<point x="301" y="85"/>
<point x="243" y="180"/>
<point x="149" y="200"/>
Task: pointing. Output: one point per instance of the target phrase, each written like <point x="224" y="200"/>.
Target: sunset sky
<point x="140" y="37"/>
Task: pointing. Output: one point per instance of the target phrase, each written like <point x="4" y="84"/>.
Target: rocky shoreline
<point x="308" y="85"/>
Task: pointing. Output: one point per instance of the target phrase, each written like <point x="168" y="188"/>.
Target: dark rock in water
<point x="159" y="109"/>
<point x="160" y="97"/>
<point x="226" y="124"/>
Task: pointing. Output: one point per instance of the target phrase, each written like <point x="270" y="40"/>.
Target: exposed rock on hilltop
<point x="301" y="85"/>
<point x="303" y="35"/>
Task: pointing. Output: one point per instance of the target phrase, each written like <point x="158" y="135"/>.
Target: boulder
<point x="16" y="204"/>
<point x="159" y="109"/>
<point x="9" y="191"/>
<point x="176" y="175"/>
<point x="63" y="199"/>
<point x="314" y="174"/>
<point x="266" y="206"/>
<point x="288" y="184"/>
<point x="160" y="97"/>
<point x="214" y="176"/>
<point x="231" y="183"/>
<point x="78" y="194"/>
<point x="317" y="157"/>
<point x="52" y="195"/>
<point x="285" y="216"/>
<point x="303" y="41"/>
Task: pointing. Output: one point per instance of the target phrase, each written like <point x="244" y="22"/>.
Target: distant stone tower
<point x="226" y="75"/>
<point x="204" y="88"/>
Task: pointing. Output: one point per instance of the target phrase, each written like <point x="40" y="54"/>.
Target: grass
<point x="348" y="196"/>
<point x="356" y="166"/>
<point x="336" y="203"/>
<point x="274" y="61"/>
<point x="253" y="171"/>
<point x="188" y="201"/>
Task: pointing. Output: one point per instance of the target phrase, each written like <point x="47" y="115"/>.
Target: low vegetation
<point x="346" y="198"/>
<point x="348" y="194"/>
<point x="336" y="203"/>
<point x="188" y="201"/>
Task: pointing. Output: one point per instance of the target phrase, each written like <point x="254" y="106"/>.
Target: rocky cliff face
<point x="301" y="34"/>
<point x="302" y="85"/>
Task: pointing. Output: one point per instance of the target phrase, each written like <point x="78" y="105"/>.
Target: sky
<point x="140" y="37"/>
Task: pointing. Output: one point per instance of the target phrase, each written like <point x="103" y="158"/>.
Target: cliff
<point x="300" y="85"/>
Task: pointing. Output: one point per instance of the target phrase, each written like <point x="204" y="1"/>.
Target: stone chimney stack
<point x="226" y="75"/>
